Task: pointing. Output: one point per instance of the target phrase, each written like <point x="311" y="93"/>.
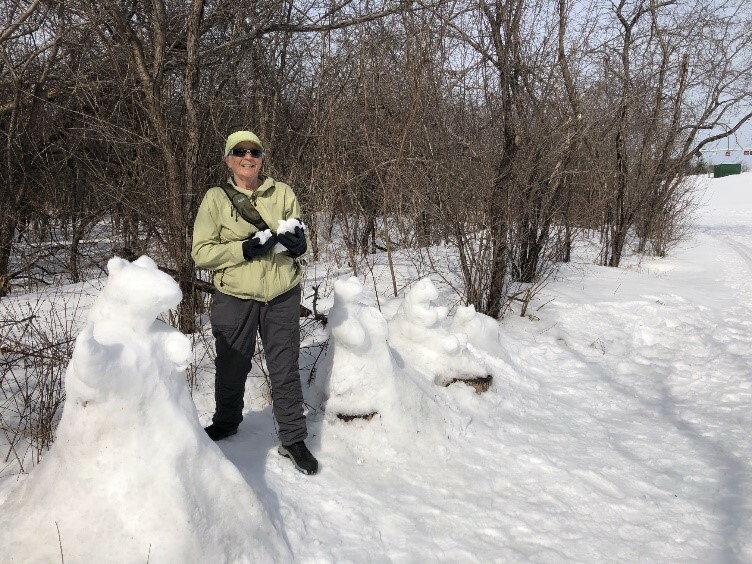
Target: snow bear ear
<point x="116" y="264"/>
<point x="145" y="262"/>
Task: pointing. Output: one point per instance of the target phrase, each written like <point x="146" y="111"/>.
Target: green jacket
<point x="218" y="236"/>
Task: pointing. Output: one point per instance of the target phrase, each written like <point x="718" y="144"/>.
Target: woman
<point x="258" y="290"/>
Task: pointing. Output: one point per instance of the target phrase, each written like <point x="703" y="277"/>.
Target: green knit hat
<point x="239" y="137"/>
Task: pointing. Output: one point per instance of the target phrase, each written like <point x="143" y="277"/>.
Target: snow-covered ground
<point x="618" y="429"/>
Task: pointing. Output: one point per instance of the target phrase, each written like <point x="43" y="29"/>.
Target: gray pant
<point x="235" y="323"/>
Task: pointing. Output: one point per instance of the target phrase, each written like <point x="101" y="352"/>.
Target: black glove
<point x="253" y="247"/>
<point x="295" y="241"/>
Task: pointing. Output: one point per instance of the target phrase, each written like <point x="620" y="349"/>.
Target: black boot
<point x="301" y="457"/>
<point x="217" y="432"/>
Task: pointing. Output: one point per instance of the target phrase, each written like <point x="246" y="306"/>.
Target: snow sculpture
<point x="362" y="369"/>
<point x="436" y="351"/>
<point x="482" y="331"/>
<point x="362" y="379"/>
<point x="132" y="476"/>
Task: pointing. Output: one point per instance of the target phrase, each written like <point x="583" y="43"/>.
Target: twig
<point x="60" y="543"/>
<point x="305" y="312"/>
<point x="544" y="304"/>
<point x="17" y="321"/>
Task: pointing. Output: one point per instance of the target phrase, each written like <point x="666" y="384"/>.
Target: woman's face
<point x="245" y="168"/>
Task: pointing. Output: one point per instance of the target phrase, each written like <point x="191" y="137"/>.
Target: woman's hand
<point x="294" y="241"/>
<point x="258" y="245"/>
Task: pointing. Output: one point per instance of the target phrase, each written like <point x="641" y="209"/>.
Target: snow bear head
<point x="135" y="294"/>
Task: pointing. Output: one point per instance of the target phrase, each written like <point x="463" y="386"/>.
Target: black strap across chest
<point x="244" y="206"/>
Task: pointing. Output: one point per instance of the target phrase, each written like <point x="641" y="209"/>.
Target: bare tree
<point x="670" y="72"/>
<point x="29" y="48"/>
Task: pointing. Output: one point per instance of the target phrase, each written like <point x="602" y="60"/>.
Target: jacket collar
<point x="267" y="183"/>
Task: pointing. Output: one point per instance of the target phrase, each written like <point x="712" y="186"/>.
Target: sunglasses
<point x="255" y="153"/>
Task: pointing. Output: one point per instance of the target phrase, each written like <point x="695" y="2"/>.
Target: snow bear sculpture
<point x="363" y="378"/>
<point x="436" y="351"/>
<point x="132" y="476"/>
<point x="362" y="370"/>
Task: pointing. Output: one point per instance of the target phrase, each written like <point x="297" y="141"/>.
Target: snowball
<point x="263" y="236"/>
<point x="289" y="225"/>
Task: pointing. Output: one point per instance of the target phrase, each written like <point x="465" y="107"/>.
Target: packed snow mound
<point x="482" y="334"/>
<point x="422" y="336"/>
<point x="132" y="476"/>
